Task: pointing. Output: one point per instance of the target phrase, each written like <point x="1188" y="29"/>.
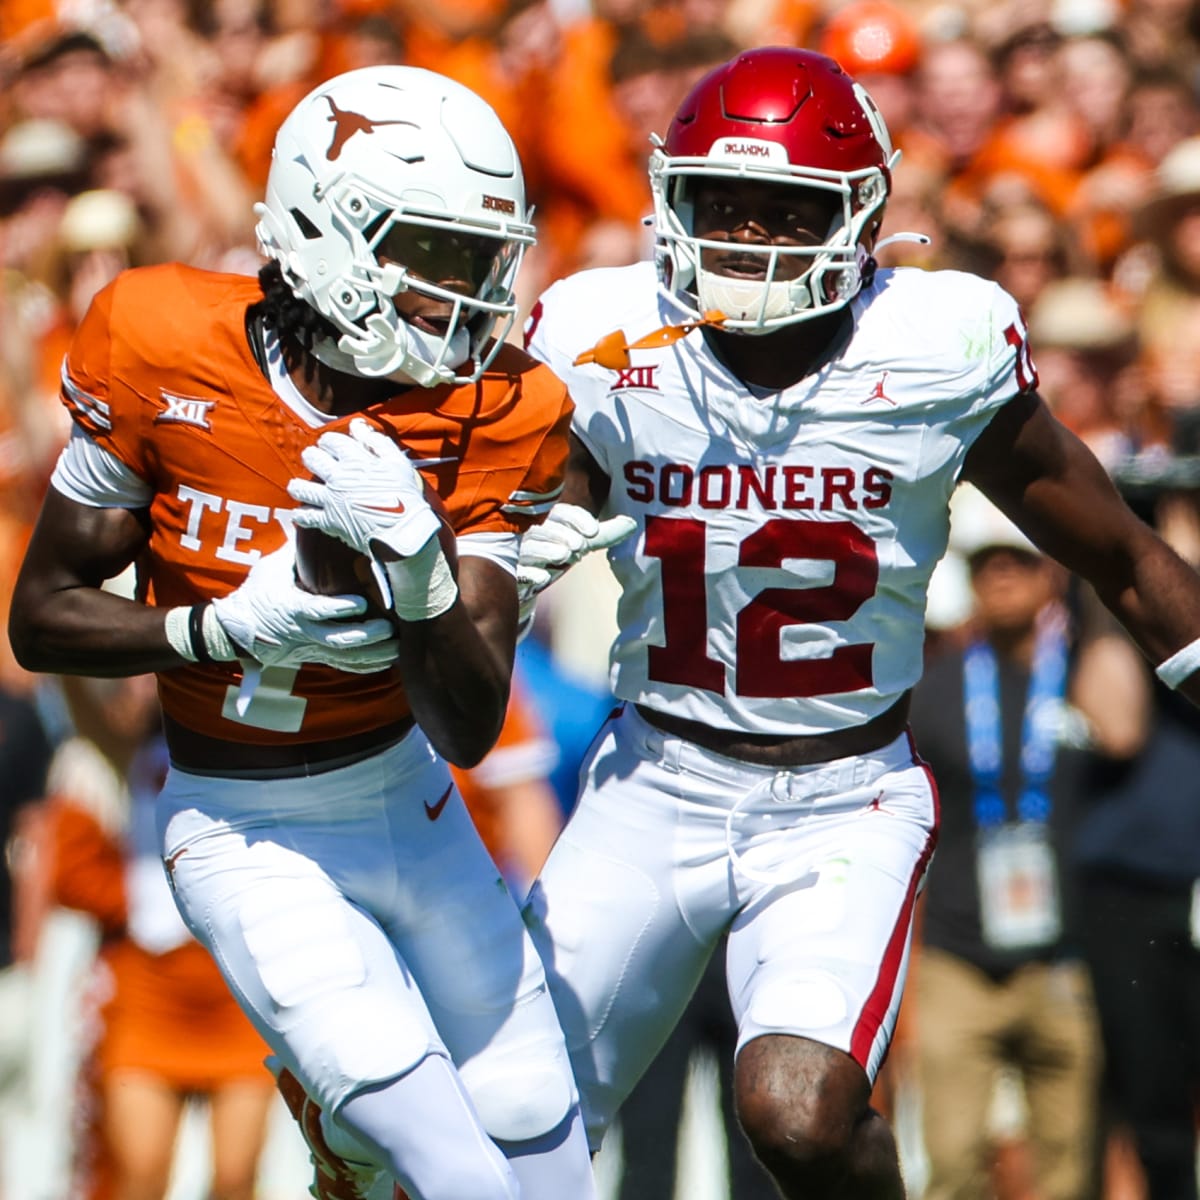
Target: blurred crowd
<point x="1051" y="145"/>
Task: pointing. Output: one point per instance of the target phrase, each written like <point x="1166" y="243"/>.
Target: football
<point x="326" y="566"/>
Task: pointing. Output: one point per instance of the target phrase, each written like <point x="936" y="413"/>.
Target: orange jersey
<point x="161" y="374"/>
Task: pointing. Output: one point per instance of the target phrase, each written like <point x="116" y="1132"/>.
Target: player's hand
<point x="273" y="621"/>
<point x="373" y="499"/>
<point x="367" y="493"/>
<point x="568" y="534"/>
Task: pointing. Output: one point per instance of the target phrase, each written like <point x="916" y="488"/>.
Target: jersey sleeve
<point x="100" y="405"/>
<point x="997" y="346"/>
<point x="88" y="474"/>
<point x="1009" y="367"/>
<point x="542" y="485"/>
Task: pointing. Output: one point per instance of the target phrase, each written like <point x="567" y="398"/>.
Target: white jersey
<point x="777" y="580"/>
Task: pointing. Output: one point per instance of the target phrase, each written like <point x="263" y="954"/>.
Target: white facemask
<point x="409" y="355"/>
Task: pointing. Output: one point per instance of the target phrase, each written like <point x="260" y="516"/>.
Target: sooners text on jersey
<point x="778" y="580"/>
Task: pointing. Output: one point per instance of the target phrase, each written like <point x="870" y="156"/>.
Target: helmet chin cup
<point x="394" y="349"/>
<point x="749" y="300"/>
<point x="370" y="150"/>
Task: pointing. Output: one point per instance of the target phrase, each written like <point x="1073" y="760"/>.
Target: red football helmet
<point x="779" y="115"/>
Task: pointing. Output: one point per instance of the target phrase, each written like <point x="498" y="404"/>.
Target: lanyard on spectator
<point x="1039" y="729"/>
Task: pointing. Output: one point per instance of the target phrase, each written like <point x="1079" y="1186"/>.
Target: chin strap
<point x="612" y="350"/>
<point x="921" y="239"/>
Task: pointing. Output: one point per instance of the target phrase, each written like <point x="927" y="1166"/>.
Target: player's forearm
<point x="86" y="631"/>
<point x="456" y="684"/>
<point x="1158" y="602"/>
<point x="585" y="483"/>
<point x="457" y="666"/>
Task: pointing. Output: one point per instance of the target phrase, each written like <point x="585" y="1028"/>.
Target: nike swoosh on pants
<point x="433" y="811"/>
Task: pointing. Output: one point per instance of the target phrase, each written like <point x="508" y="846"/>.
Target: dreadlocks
<point x="282" y="311"/>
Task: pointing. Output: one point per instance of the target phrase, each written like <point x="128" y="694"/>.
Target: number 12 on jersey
<point x="759" y="670"/>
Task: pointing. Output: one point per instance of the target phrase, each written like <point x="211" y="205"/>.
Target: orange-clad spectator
<point x="509" y="797"/>
<point x="599" y="203"/>
<point x="1040" y="147"/>
<point x="297" y="62"/>
<point x="957" y="102"/>
<point x="1097" y="77"/>
<point x="879" y="43"/>
<point x="468" y="39"/>
<point x="597" y="176"/>
<point x="41" y="161"/>
<point x="1157" y="114"/>
<point x="165" y="1026"/>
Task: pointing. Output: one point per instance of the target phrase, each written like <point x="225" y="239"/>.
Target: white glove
<point x="367" y="491"/>
<point x="568" y="534"/>
<point x="278" y="624"/>
<point x="373" y="499"/>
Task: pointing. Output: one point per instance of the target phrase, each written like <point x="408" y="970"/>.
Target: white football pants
<point x="813" y="870"/>
<point x="363" y="926"/>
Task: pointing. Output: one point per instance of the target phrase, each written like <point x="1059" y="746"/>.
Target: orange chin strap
<point x="612" y="350"/>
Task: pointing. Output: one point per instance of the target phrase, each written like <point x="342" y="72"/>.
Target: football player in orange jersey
<point x="310" y="827"/>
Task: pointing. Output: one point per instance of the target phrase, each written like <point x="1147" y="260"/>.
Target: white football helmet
<point x="383" y="180"/>
<point x="784" y="116"/>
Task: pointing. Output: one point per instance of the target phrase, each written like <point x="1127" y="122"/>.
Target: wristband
<point x="423" y="585"/>
<point x="1174" y="670"/>
<point x="178" y="633"/>
<point x="196" y="633"/>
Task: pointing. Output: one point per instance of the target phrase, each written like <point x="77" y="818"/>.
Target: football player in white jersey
<point x="768" y="430"/>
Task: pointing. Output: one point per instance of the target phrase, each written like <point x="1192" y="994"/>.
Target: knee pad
<point x="522" y="1094"/>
